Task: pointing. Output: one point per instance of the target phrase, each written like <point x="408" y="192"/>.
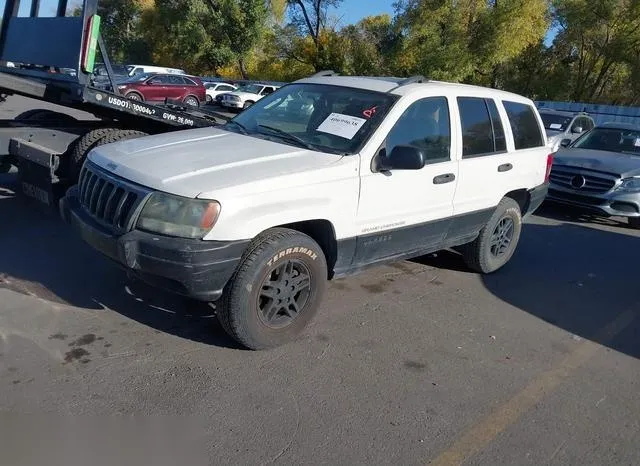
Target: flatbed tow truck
<point x="48" y="147"/>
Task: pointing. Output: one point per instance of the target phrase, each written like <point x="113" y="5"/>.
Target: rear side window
<point x="499" y="140"/>
<point x="524" y="125"/>
<point x="189" y="82"/>
<point x="482" y="130"/>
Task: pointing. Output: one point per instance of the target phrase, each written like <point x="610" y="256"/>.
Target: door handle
<point x="446" y="178"/>
<point x="505" y="167"/>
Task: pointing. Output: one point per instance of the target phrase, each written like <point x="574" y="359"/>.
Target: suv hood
<point x="189" y="163"/>
<point x="624" y="165"/>
<point x="244" y="94"/>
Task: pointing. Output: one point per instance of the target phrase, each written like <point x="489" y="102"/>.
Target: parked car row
<point x="596" y="167"/>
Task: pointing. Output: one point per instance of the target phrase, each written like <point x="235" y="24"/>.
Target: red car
<point x="154" y="88"/>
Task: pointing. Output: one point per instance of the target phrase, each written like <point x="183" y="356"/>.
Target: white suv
<point x="259" y="213"/>
<point x="246" y="96"/>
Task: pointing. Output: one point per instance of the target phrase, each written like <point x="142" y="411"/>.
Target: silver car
<point x="600" y="172"/>
<point x="561" y="125"/>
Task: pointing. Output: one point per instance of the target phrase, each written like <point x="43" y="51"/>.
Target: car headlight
<point x="178" y="216"/>
<point x="630" y="185"/>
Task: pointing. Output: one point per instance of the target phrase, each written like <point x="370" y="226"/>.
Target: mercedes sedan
<point x="600" y="172"/>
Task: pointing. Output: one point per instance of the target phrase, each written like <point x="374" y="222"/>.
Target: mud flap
<point x="37" y="167"/>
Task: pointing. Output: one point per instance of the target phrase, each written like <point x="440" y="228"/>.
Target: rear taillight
<point x="549" y="165"/>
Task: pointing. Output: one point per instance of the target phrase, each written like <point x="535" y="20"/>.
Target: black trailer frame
<point x="40" y="50"/>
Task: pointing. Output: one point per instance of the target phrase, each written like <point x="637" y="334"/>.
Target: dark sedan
<point x="600" y="172"/>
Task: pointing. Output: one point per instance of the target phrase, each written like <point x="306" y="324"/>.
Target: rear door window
<point x="482" y="132"/>
<point x="524" y="125"/>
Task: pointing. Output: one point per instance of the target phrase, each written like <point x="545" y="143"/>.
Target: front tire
<point x="497" y="241"/>
<point x="247" y="104"/>
<point x="276" y="290"/>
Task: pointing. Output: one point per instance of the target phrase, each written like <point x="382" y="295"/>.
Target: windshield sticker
<point x="555" y="126"/>
<point x="369" y="113"/>
<point x="344" y="126"/>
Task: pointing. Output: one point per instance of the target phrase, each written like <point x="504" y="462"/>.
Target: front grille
<point x="569" y="197"/>
<point x="107" y="198"/>
<point x="591" y="182"/>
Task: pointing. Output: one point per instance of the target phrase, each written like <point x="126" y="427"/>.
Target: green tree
<point x="203" y="35"/>
<point x="369" y="44"/>
<point x="597" y="47"/>
<point x="467" y="41"/>
<point x="119" y="26"/>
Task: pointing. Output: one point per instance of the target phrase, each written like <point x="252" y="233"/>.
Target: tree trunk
<point x="243" y="69"/>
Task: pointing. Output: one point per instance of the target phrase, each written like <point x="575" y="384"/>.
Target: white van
<point x="138" y="69"/>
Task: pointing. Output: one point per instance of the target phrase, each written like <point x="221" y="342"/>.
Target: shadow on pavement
<point x="578" y="277"/>
<point x="41" y="256"/>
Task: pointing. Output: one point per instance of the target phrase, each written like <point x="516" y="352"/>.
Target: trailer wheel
<point x="43" y="114"/>
<point x="94" y="138"/>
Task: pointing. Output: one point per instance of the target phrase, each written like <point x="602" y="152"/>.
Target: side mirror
<point x="577" y="129"/>
<point x="565" y="143"/>
<point x="401" y="158"/>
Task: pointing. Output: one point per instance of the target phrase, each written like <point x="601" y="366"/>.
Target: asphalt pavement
<point x="413" y="363"/>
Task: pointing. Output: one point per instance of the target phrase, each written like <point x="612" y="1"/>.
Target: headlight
<point x="178" y="216"/>
<point x="630" y="185"/>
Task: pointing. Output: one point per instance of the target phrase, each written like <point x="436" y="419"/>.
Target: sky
<point x="351" y="11"/>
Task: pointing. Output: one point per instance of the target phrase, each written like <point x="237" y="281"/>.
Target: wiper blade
<point x="243" y="129"/>
<point x="290" y="137"/>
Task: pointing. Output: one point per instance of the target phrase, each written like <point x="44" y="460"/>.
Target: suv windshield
<point x="323" y="117"/>
<point x="555" y="122"/>
<point x="612" y="140"/>
<point x="251" y="88"/>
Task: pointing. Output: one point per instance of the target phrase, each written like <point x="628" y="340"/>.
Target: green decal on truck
<point x="91" y="44"/>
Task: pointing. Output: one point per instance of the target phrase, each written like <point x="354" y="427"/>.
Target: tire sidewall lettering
<point x="310" y="253"/>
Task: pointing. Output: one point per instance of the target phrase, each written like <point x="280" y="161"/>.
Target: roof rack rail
<point x="324" y="73"/>
<point x="412" y="80"/>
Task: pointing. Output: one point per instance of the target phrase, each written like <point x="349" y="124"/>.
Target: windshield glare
<point x="612" y="140"/>
<point x="138" y="78"/>
<point x="555" y="122"/>
<point x="252" y="88"/>
<point x="330" y="118"/>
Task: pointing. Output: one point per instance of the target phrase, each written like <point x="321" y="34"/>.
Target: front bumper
<point x="194" y="268"/>
<point x="230" y="104"/>
<point x="610" y="204"/>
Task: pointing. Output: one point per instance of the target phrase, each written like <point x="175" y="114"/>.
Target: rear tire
<point x="94" y="138"/>
<point x="497" y="241"/>
<point x="634" y="222"/>
<point x="135" y="97"/>
<point x="275" y="291"/>
<point x="192" y="101"/>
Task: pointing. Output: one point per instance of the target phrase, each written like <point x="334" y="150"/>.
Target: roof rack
<point x="411" y="80"/>
<point x="325" y="73"/>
